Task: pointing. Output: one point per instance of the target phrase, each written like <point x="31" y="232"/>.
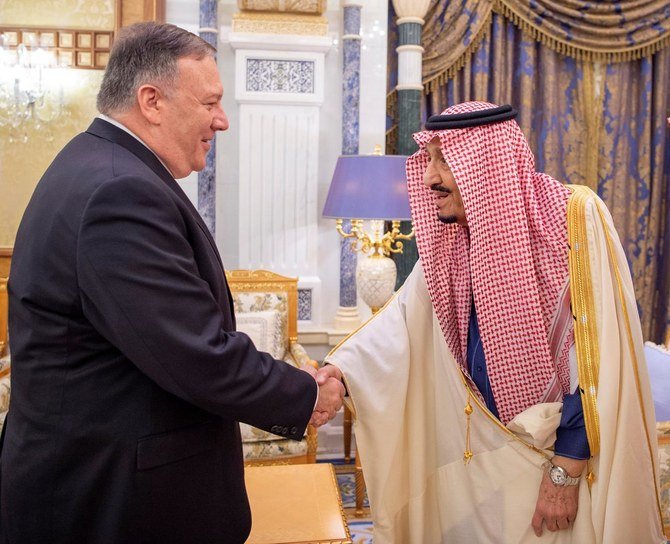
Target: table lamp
<point x="372" y="188"/>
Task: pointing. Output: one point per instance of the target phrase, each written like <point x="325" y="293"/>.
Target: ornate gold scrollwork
<point x="380" y="244"/>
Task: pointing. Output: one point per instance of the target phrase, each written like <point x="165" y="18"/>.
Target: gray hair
<point x="146" y="53"/>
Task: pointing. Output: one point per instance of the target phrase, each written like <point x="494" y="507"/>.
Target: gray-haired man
<point x="128" y="378"/>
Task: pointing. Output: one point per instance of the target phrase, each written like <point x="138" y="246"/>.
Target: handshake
<point x="331" y="393"/>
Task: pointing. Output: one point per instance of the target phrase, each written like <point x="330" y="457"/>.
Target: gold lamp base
<point x="376" y="275"/>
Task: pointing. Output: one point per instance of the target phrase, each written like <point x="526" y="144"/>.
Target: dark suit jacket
<point x="128" y="378"/>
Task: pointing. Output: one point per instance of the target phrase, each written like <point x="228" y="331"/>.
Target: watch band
<point x="559" y="476"/>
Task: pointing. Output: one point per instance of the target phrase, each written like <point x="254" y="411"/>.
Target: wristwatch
<point x="559" y="476"/>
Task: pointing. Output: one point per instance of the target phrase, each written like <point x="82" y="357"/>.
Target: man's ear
<point x="148" y="97"/>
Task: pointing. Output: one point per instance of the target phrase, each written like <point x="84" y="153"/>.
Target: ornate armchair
<point x="266" y="308"/>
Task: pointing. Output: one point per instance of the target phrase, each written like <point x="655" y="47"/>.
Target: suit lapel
<point x="103" y="129"/>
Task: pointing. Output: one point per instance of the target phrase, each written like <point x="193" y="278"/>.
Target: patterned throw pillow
<point x="263" y="302"/>
<point x="265" y="330"/>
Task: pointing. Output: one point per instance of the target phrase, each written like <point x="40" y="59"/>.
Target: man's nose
<point x="220" y="121"/>
<point x="430" y="176"/>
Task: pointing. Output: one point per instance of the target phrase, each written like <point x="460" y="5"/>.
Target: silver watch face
<point x="558" y="475"/>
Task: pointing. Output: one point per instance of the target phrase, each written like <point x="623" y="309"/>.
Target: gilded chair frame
<point x="5" y="262"/>
<point x="264" y="281"/>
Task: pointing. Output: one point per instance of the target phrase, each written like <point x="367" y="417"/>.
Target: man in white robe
<point x="520" y="310"/>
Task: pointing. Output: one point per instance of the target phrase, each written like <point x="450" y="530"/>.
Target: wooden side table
<point x="293" y="504"/>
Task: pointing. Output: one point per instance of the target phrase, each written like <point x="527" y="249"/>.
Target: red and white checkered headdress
<point x="512" y="257"/>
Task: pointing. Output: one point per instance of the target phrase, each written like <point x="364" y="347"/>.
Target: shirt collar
<point x="123" y="127"/>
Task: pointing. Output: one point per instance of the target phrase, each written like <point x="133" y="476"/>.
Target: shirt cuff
<point x="571" y="439"/>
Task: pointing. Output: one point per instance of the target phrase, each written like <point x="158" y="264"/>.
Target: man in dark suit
<point x="128" y="378"/>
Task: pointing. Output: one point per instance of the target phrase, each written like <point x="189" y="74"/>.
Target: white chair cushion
<point x="263" y="302"/>
<point x="265" y="330"/>
<point x="274" y="448"/>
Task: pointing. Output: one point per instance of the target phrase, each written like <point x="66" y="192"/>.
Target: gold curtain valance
<point x="593" y="31"/>
<point x="452" y="32"/>
<point x="597" y="31"/>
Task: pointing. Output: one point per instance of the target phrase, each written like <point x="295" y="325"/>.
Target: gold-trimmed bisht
<point x="633" y="356"/>
<point x="584" y="314"/>
<point x="588" y="362"/>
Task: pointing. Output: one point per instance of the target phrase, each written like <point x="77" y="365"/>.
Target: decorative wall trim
<point x="76" y="48"/>
<point x="280" y="23"/>
<point x="309" y="305"/>
<point x="280" y="75"/>
<point x="294" y="6"/>
<point x="304" y="304"/>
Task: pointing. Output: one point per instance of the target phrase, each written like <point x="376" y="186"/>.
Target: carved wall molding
<point x="280" y="23"/>
<point x="317" y="7"/>
<point x="279" y="75"/>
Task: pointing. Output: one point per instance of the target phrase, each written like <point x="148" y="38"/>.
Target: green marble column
<point x="409" y="120"/>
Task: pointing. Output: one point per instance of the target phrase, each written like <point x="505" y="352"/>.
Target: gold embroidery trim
<point x="349" y="401"/>
<point x="583" y="310"/>
<point x="493" y="419"/>
<point x="631" y="348"/>
<point x="362" y="325"/>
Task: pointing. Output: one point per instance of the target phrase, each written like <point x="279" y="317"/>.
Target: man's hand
<point x="557" y="505"/>
<point x="328" y="371"/>
<point x="331" y="395"/>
